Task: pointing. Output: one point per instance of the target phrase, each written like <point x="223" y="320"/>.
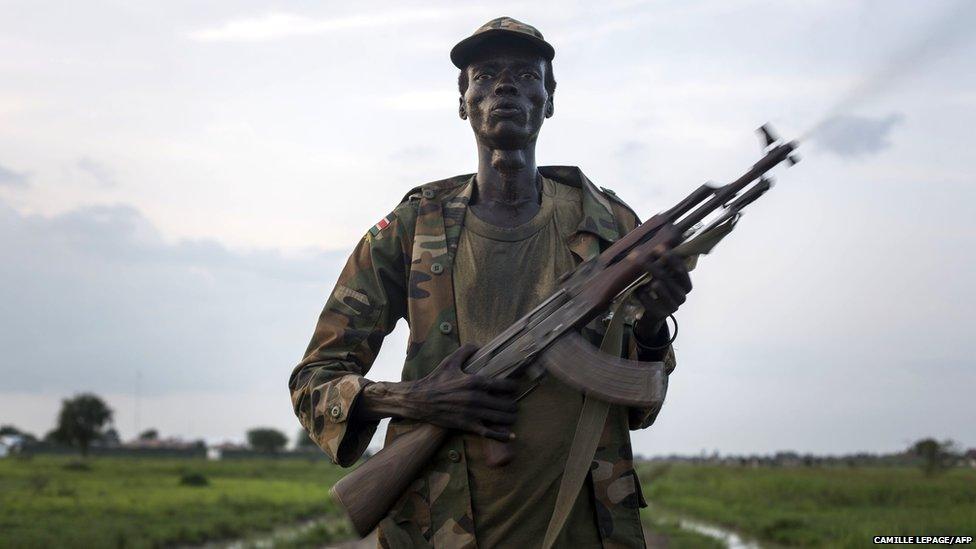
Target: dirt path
<point x="369" y="542"/>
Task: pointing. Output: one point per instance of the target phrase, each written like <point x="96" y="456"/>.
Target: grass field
<point x="820" y="507"/>
<point x="126" y="502"/>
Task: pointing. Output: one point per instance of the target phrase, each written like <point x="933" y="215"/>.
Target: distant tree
<point x="110" y="437"/>
<point x="303" y="441"/>
<point x="936" y="456"/>
<point x="149" y="434"/>
<point x="81" y="421"/>
<point x="266" y="439"/>
<point x="53" y="437"/>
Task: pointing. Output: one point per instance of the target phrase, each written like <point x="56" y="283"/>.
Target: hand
<point x="447" y="397"/>
<point x="667" y="291"/>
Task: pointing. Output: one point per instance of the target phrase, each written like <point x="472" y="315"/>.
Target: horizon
<point x="180" y="185"/>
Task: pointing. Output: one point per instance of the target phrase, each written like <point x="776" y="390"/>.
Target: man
<point x="461" y="259"/>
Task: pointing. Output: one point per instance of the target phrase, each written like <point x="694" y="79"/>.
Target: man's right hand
<point x="447" y="397"/>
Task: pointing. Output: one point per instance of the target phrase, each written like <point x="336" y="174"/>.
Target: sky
<point x="180" y="183"/>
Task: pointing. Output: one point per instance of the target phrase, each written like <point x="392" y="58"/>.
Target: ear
<point x="461" y="112"/>
<point x="550" y="108"/>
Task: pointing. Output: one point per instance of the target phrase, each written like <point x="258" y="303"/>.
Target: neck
<point x="507" y="177"/>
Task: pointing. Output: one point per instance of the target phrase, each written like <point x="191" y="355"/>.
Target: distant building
<point x="11" y="444"/>
<point x="217" y="451"/>
<point x="171" y="443"/>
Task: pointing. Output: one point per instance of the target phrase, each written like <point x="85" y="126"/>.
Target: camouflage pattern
<point x="403" y="270"/>
<point x="500" y="27"/>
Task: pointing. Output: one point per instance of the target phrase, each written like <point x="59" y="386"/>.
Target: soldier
<point x="461" y="259"/>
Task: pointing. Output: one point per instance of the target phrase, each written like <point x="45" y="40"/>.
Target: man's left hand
<point x="666" y="292"/>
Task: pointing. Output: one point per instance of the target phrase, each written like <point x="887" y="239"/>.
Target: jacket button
<point x="436" y="268"/>
<point x="445" y="327"/>
<point x="427" y="193"/>
<point x="335" y="411"/>
<point x="454" y="456"/>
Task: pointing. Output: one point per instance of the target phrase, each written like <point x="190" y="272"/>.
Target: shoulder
<point x="402" y="221"/>
<point x="595" y="198"/>
<point x="621" y="211"/>
<point x="436" y="189"/>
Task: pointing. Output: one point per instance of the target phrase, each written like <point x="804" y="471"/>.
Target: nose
<point x="505" y="84"/>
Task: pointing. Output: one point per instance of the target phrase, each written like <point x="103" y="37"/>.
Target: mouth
<point x="506" y="109"/>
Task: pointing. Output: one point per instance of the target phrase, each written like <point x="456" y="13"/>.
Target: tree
<point x="936" y="456"/>
<point x="110" y="437"/>
<point x="81" y="421"/>
<point x="303" y="441"/>
<point x="149" y="434"/>
<point x="266" y="439"/>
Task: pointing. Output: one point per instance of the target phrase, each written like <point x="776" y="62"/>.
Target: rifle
<point x="547" y="339"/>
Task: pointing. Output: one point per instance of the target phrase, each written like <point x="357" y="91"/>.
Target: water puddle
<point x="287" y="535"/>
<point x="730" y="537"/>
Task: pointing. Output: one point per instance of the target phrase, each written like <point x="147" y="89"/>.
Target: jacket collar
<point x="597" y="213"/>
<point x="596" y="226"/>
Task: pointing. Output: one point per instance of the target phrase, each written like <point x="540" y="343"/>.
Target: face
<point x="506" y="100"/>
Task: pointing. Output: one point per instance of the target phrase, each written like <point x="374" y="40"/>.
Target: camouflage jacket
<point x="402" y="269"/>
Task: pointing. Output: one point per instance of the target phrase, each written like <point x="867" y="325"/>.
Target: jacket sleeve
<point x="367" y="301"/>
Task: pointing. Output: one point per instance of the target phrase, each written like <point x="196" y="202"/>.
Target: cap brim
<point x="462" y="53"/>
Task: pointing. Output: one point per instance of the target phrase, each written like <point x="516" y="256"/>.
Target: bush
<point x="194" y="479"/>
<point x="77" y="466"/>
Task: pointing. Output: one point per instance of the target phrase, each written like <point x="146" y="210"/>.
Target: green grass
<point x="128" y="502"/>
<point x="820" y="507"/>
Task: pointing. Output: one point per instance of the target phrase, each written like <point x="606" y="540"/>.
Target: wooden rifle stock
<point x="369" y="491"/>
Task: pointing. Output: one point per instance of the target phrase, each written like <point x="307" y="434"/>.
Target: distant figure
<point x="461" y="259"/>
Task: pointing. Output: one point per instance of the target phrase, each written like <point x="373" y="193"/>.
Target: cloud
<point x="443" y="99"/>
<point x="276" y="26"/>
<point x="852" y="136"/>
<point x="101" y="173"/>
<point x="417" y="153"/>
<point x="11" y="178"/>
<point x="631" y="149"/>
<point x="93" y="295"/>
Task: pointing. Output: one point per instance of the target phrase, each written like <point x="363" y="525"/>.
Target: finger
<point x="665" y="299"/>
<point x="463" y="353"/>
<point x="648" y="297"/>
<point x="490" y="402"/>
<point x="679" y="272"/>
<point x="493" y="385"/>
<point x="654" y="268"/>
<point x="500" y="434"/>
<point x="497" y="418"/>
<point x="674" y="291"/>
<point x="502" y="386"/>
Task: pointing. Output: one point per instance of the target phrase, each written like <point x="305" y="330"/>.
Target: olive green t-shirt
<point x="499" y="275"/>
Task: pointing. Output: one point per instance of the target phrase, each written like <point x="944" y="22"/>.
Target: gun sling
<point x="592" y="418"/>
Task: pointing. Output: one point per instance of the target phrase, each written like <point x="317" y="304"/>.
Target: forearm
<point x="383" y="399"/>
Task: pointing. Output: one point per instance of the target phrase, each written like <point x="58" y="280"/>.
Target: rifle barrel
<point x="725" y="193"/>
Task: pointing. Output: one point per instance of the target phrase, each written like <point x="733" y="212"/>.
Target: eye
<point x="483" y="76"/>
<point x="528" y="74"/>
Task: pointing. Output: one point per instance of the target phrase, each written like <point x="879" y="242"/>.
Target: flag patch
<point x="384" y="223"/>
